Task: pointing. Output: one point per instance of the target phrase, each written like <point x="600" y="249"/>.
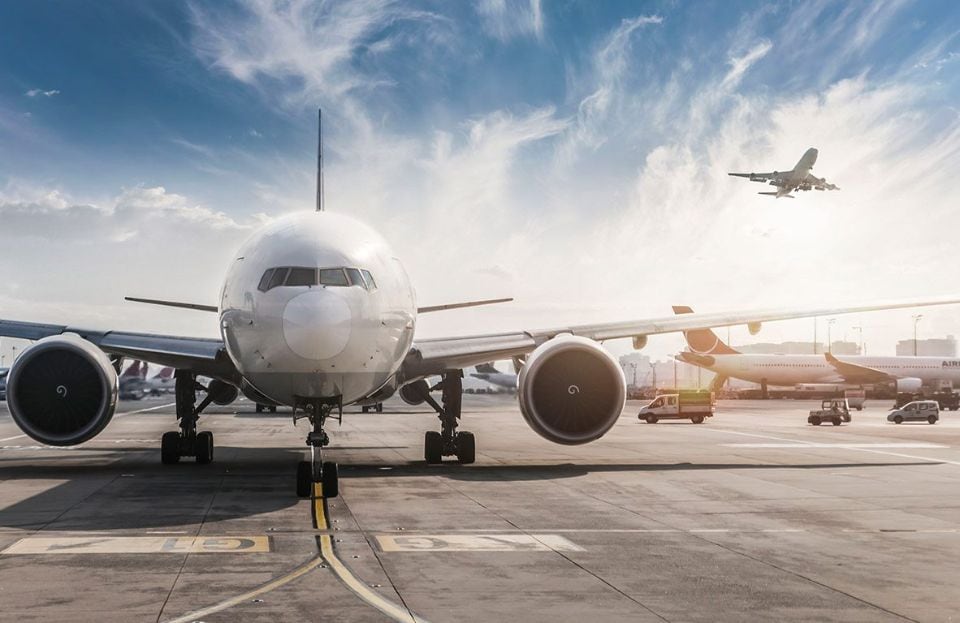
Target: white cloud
<point x="36" y="92"/>
<point x="507" y="19"/>
<point x="740" y="64"/>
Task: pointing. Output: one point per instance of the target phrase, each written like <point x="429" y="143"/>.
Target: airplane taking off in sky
<point x="908" y="374"/>
<point x="798" y="178"/>
<point x="316" y="312"/>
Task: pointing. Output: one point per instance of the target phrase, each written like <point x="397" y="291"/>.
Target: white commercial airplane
<point x="908" y="374"/>
<point x="316" y="312"/>
<point x="798" y="178"/>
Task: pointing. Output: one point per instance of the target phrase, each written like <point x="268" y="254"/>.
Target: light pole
<point x="860" y="329"/>
<point x="653" y="368"/>
<point x="830" y="322"/>
<point x="916" y="319"/>
<point x="814" y="335"/>
<point x="634" y="367"/>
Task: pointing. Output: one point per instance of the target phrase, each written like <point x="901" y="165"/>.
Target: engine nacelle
<point x="222" y="393"/>
<point x="909" y="384"/>
<point x="62" y="391"/>
<point x="571" y="390"/>
<point x="415" y="393"/>
<point x="754" y="327"/>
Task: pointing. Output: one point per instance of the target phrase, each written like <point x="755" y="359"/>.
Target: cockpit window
<point x="301" y="277"/>
<point x="371" y="284"/>
<point x="279" y="276"/>
<point x="353" y="274"/>
<point x="333" y="277"/>
<point x="307" y="276"/>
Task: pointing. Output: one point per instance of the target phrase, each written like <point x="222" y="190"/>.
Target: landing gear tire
<point x="432" y="447"/>
<point x="466" y="448"/>
<point x="304" y="479"/>
<point x="330" y="480"/>
<point x="170" y="448"/>
<point x="204" y="447"/>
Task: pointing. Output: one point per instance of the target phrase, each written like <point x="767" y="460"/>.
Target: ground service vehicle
<point x="693" y="405"/>
<point x="833" y="410"/>
<point x="946" y="399"/>
<point x="856" y="398"/>
<point x="917" y="411"/>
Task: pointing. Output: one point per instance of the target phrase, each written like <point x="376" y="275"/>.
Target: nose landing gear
<point x="187" y="441"/>
<point x="316" y="470"/>
<point x="448" y="442"/>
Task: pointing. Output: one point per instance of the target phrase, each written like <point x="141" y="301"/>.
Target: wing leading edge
<point x="435" y="355"/>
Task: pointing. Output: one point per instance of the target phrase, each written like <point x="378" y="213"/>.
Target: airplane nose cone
<point x="317" y="324"/>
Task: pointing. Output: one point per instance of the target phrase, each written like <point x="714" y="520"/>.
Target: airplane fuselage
<point x="337" y="337"/>
<point x="789" y="370"/>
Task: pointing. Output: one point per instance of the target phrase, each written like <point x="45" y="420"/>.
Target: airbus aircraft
<point x="908" y="374"/>
<point x="798" y="178"/>
<point x="317" y="312"/>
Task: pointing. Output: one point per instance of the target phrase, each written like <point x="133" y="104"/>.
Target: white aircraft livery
<point x="316" y="312"/>
<point x="798" y="178"/>
<point x="908" y="374"/>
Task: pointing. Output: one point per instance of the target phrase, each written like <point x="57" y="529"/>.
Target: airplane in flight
<point x="906" y="373"/>
<point x="316" y="312"/>
<point x="798" y="178"/>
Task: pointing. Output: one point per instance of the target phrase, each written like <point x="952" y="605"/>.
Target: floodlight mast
<point x="319" y="160"/>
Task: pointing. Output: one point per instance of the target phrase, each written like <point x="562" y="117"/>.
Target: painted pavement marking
<point x="476" y="543"/>
<point x="140" y="545"/>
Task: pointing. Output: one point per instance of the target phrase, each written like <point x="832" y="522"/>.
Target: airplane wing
<point x="433" y="356"/>
<point x="201" y="355"/>
<point x="820" y="183"/>
<point x="854" y="374"/>
<point x="760" y="177"/>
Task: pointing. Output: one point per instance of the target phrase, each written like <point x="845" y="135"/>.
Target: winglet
<point x="194" y="306"/>
<point x="434" y="308"/>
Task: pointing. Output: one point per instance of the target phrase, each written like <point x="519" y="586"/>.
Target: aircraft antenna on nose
<point x="319" y="160"/>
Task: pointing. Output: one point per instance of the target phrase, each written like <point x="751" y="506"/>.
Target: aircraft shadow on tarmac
<point x="133" y="493"/>
<point x="508" y="473"/>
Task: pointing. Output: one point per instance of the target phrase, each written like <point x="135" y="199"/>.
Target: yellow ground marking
<point x="319" y="515"/>
<point x="140" y="545"/>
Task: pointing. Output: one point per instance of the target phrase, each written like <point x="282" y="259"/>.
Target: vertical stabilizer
<point x="703" y="341"/>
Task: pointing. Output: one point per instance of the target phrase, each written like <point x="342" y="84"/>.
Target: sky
<point x="572" y="155"/>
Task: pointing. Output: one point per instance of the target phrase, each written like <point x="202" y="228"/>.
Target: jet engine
<point x="415" y="393"/>
<point x="62" y="391"/>
<point x="571" y="390"/>
<point x="909" y="384"/>
<point x="222" y="393"/>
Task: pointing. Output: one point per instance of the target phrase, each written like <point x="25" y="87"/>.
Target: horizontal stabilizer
<point x="433" y="308"/>
<point x="194" y="306"/>
<point x="777" y="195"/>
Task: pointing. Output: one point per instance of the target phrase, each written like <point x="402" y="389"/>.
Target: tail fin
<point x="703" y="341"/>
<point x="487" y="368"/>
<point x="165" y="373"/>
<point x="132" y="371"/>
<point x="777" y="195"/>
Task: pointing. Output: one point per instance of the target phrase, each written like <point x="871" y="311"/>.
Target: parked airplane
<point x="162" y="382"/>
<point x="908" y="374"/>
<point x="489" y="373"/>
<point x="132" y="383"/>
<point x="798" y="178"/>
<point x="316" y="312"/>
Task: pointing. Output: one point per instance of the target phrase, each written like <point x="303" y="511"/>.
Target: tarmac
<point x="753" y="515"/>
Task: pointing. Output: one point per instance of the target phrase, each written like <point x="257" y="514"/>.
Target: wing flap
<point x="435" y="308"/>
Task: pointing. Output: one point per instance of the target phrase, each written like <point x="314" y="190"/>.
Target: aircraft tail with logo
<point x="703" y="341"/>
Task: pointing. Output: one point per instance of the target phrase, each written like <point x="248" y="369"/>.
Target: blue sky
<point x="571" y="154"/>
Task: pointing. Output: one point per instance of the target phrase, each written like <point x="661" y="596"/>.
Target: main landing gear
<point x="187" y="441"/>
<point x="448" y="442"/>
<point x="316" y="470"/>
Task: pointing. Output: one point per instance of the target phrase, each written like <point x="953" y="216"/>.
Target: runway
<point x="754" y="515"/>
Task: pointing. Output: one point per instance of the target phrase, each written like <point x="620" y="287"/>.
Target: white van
<point x="917" y="411"/>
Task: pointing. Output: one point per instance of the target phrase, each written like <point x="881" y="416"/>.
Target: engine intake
<point x="62" y="391"/>
<point x="571" y="390"/>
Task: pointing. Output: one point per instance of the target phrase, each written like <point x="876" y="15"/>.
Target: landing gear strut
<point x="187" y="441"/>
<point x="448" y="442"/>
<point x="316" y="470"/>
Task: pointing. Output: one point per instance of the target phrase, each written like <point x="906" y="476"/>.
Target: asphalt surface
<point x="753" y="515"/>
